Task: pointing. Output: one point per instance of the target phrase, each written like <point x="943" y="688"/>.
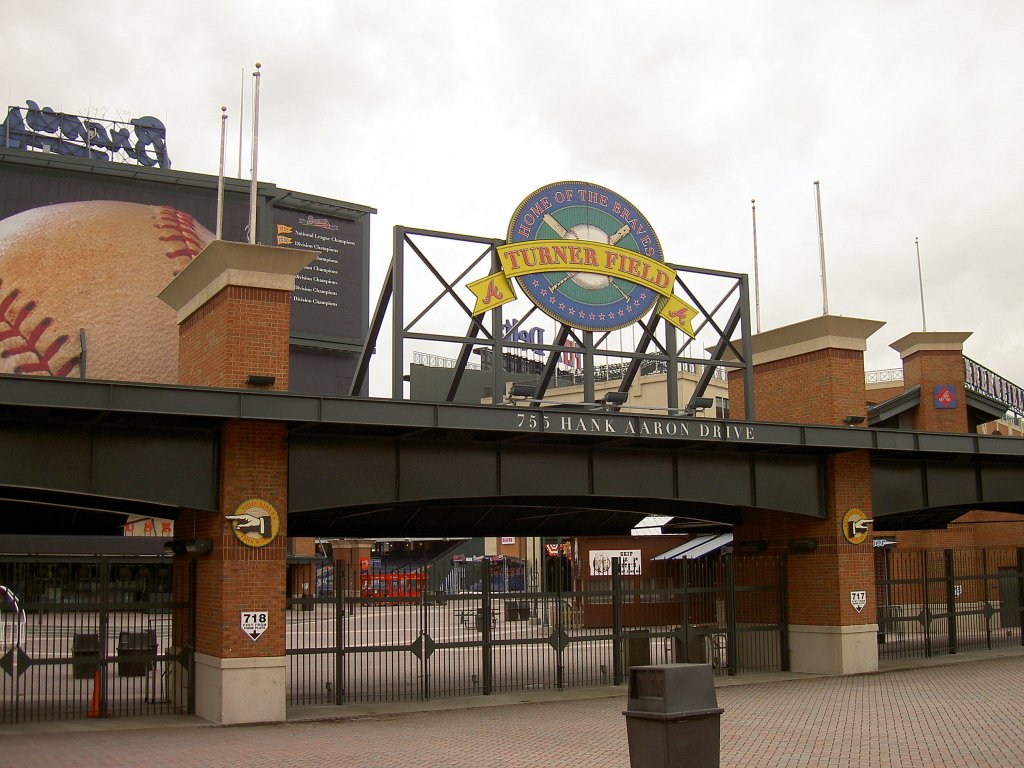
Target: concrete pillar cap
<point x="224" y="263"/>
<point x="931" y="341"/>
<point x="825" y="332"/>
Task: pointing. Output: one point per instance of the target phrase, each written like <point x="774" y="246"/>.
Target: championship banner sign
<point x="587" y="258"/>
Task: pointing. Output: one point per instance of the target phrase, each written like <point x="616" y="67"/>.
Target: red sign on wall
<point x="944" y="396"/>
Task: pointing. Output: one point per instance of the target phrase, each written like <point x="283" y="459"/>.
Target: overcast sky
<point x="445" y="115"/>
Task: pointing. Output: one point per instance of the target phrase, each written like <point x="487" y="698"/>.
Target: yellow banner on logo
<point x="534" y="256"/>
<point x="530" y="257"/>
<point x="491" y="291"/>
<point x="679" y="313"/>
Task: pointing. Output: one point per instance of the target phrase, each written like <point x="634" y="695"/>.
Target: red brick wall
<point x="346" y="567"/>
<point x="877" y="395"/>
<point x="737" y="396"/>
<point x="929" y="368"/>
<point x="815" y="388"/>
<point x="234" y="577"/>
<point x="821" y="388"/>
<point x="820" y="582"/>
<point x="975" y="529"/>
<point x="304" y="547"/>
<point x="238" y="332"/>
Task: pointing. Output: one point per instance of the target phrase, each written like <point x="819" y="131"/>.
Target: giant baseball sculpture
<point x="93" y="270"/>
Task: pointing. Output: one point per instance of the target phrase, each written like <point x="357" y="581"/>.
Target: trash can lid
<point x="672" y="688"/>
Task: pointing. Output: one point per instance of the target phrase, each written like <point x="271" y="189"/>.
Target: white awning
<point x="697" y="547"/>
<point x="650" y="525"/>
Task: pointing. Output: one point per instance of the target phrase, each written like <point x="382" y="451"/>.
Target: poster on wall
<point x="629" y="562"/>
<point x="327" y="292"/>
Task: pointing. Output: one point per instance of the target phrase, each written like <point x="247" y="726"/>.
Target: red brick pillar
<point x="935" y="362"/>
<point x="813" y="373"/>
<point x="233" y="306"/>
<point x="349" y="556"/>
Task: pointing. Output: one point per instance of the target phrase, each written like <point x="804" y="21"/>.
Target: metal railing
<point x="936" y="602"/>
<point x="345" y="646"/>
<point x="978" y="378"/>
<point x="95" y="637"/>
<point x="884" y="375"/>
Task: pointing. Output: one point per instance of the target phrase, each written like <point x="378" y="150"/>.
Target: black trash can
<point x="636" y="648"/>
<point x="688" y="646"/>
<point x="517" y="610"/>
<point x="673" y="717"/>
<point x="139" y="652"/>
<point x="85" y="656"/>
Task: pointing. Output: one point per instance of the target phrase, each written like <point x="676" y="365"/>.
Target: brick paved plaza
<point x="956" y="714"/>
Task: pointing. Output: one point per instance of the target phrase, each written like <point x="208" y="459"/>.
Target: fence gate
<point x="402" y="637"/>
<point x="94" y="637"/>
<point x="933" y="602"/>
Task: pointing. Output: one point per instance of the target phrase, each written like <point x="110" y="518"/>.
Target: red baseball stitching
<point x="183" y="230"/>
<point x="15" y="323"/>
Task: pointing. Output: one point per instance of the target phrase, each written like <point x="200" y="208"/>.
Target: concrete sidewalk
<point x="949" y="711"/>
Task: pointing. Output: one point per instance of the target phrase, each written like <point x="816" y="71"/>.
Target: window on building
<point x="721" y="407"/>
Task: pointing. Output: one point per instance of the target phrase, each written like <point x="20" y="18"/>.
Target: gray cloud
<point x="445" y="115"/>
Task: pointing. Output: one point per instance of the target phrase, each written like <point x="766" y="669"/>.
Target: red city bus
<point x="391" y="584"/>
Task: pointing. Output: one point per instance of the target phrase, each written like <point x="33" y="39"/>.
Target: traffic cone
<point x="94" y="707"/>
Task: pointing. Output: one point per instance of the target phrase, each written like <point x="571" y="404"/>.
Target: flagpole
<point x="241" y="120"/>
<point x="920" y="283"/>
<point x="757" y="281"/>
<point x="821" y="251"/>
<point x="220" y="175"/>
<point x="255" y="152"/>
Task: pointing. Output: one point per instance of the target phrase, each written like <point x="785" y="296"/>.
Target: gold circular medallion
<point x="255" y="522"/>
<point x="856" y="526"/>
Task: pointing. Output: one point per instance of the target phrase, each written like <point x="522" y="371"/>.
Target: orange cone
<point x="94" y="707"/>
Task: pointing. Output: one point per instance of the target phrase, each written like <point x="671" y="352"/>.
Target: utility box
<point x="673" y="717"/>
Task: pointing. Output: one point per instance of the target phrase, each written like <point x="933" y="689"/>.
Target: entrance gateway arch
<point x="84" y="454"/>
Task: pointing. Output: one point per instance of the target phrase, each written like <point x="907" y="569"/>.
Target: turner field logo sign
<point x="588" y="258"/>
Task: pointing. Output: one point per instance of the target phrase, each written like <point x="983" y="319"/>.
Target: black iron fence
<point x="933" y="602"/>
<point x="396" y="636"/>
<point x="94" y="637"/>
